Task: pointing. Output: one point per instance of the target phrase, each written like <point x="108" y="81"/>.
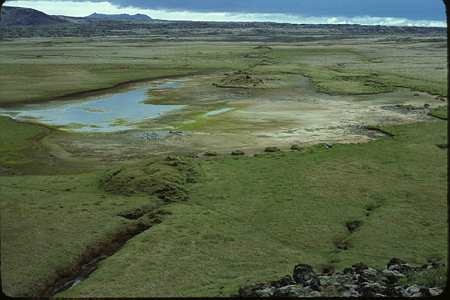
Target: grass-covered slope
<point x="18" y="140"/>
<point x="251" y="219"/>
<point x="58" y="223"/>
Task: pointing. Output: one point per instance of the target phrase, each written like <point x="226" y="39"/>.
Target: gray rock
<point x="357" y="281"/>
<point x="314" y="294"/>
<point x="393" y="273"/>
<point x="411" y="291"/>
<point x="392" y="277"/>
<point x="370" y="289"/>
<point x="370" y="272"/>
<point x="351" y="293"/>
<point x="250" y="291"/>
<point x="350" y="286"/>
<point x="359" y="268"/>
<point x="290" y="291"/>
<point x="265" y="293"/>
<point x="326" y="280"/>
<point x="435" y="291"/>
<point x="403" y="268"/>
<point x="303" y="273"/>
<point x="285" y="281"/>
<point x="343" y="279"/>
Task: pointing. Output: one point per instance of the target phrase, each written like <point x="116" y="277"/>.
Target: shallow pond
<point x="106" y="113"/>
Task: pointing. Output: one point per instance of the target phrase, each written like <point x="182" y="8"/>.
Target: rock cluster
<point x="356" y="281"/>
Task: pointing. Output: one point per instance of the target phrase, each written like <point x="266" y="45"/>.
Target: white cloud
<point x="81" y="9"/>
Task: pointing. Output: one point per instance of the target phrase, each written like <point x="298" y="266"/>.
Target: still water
<point x="107" y="113"/>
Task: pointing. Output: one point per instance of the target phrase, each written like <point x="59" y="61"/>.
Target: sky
<point x="365" y="12"/>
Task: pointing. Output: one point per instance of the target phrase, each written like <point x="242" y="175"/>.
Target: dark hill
<point x="18" y="16"/>
<point x="119" y="17"/>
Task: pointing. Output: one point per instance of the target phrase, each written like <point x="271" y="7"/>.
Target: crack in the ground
<point x="142" y="219"/>
<point x="88" y="262"/>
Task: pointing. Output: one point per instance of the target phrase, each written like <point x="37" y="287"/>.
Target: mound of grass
<point x="164" y="178"/>
<point x="344" y="82"/>
<point x="16" y="140"/>
<point x="21" y="149"/>
<point x="240" y="79"/>
<point x="440" y="112"/>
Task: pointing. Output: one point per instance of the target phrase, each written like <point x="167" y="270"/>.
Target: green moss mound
<point x="240" y="79"/>
<point x="165" y="179"/>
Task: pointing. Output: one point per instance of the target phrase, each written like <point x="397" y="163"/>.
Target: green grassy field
<point x="252" y="219"/>
<point x="248" y="219"/>
<point x="215" y="224"/>
<point x="359" y="68"/>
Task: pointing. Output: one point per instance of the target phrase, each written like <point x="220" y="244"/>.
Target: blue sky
<point x="383" y="12"/>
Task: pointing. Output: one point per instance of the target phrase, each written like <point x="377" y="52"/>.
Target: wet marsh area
<point x="193" y="115"/>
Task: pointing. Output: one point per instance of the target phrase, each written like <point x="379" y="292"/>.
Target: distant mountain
<point x="18" y="16"/>
<point x="119" y="17"/>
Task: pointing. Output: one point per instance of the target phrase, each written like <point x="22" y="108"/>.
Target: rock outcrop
<point x="358" y="280"/>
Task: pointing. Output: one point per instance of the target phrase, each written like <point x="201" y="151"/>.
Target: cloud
<point x="409" y="9"/>
<point x="77" y="8"/>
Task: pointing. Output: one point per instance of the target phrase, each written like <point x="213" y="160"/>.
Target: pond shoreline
<point x="98" y="91"/>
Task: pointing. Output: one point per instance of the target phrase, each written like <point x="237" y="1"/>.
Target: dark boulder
<point x="356" y="281"/>
<point x="352" y="226"/>
<point x="238" y="153"/>
<point x="392" y="277"/>
<point x="328" y="270"/>
<point x="210" y="153"/>
<point x="272" y="149"/>
<point x="305" y="275"/>
<point x="296" y="148"/>
<point x="286" y="280"/>
<point x="395" y="261"/>
<point x="399" y="265"/>
<point x="371" y="289"/>
<point x="359" y="268"/>
<point x="435" y="291"/>
<point x="252" y="291"/>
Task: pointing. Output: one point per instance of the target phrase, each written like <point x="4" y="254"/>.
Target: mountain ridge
<point x="119" y="17"/>
<point x="20" y="16"/>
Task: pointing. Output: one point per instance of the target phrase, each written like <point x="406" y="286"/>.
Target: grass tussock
<point x="164" y="178"/>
